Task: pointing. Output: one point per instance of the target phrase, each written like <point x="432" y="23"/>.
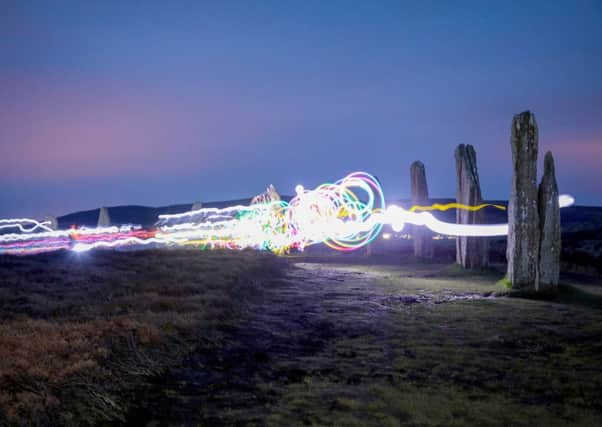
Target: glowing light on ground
<point x="345" y="215"/>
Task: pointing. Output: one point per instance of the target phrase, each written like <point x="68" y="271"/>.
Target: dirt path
<point x="289" y="323"/>
<point x="363" y="345"/>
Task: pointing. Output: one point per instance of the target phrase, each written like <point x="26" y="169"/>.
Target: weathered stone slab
<point x="421" y="236"/>
<point x="269" y="195"/>
<point x="104" y="220"/>
<point x="471" y="252"/>
<point x="549" y="226"/>
<point x="522" y="250"/>
<point x="52" y="222"/>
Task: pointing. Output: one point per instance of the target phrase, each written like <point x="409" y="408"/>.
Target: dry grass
<point x="78" y="332"/>
<point x="178" y="337"/>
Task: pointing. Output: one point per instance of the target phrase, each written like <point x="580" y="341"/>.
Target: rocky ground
<point x="191" y="338"/>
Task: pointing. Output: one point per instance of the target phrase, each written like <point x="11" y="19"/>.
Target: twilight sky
<point x="116" y="102"/>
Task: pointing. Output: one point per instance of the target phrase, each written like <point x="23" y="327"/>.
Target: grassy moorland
<point x="436" y="353"/>
<point x="81" y="333"/>
<point x="197" y="338"/>
<point x="352" y="344"/>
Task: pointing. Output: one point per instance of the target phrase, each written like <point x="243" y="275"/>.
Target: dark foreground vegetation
<point x="80" y="334"/>
<point x="198" y="338"/>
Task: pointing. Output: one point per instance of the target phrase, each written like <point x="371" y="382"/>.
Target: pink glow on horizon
<point x="579" y="151"/>
<point x="58" y="131"/>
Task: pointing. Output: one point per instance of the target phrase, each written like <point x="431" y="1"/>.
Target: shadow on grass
<point x="563" y="294"/>
<point x="456" y="270"/>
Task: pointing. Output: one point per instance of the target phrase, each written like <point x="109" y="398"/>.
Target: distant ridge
<point x="146" y="216"/>
<point x="574" y="218"/>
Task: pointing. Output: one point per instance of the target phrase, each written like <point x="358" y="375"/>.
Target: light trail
<point x="21" y="223"/>
<point x="345" y="215"/>
<point x="447" y="206"/>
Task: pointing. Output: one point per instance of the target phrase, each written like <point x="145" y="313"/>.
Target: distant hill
<point x="574" y="218"/>
<point x="145" y="216"/>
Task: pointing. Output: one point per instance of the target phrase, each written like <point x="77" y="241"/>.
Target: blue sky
<point x="107" y="103"/>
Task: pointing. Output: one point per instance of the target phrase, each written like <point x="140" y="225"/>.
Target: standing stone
<point x="52" y="222"/>
<point x="471" y="252"/>
<point x="104" y="220"/>
<point x="522" y="251"/>
<point x="269" y="195"/>
<point x="549" y="226"/>
<point x="421" y="236"/>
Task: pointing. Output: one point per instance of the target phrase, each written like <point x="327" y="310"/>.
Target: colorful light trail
<point x="345" y="215"/>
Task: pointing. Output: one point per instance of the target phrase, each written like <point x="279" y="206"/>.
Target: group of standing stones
<point x="534" y="241"/>
<point x="534" y="238"/>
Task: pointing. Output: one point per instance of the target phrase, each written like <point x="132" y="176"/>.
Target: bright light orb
<point x="565" y="200"/>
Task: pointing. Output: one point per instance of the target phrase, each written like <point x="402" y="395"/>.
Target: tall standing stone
<point x="522" y="251"/>
<point x="471" y="252"/>
<point x="104" y="220"/>
<point x="421" y="236"/>
<point x="549" y="226"/>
